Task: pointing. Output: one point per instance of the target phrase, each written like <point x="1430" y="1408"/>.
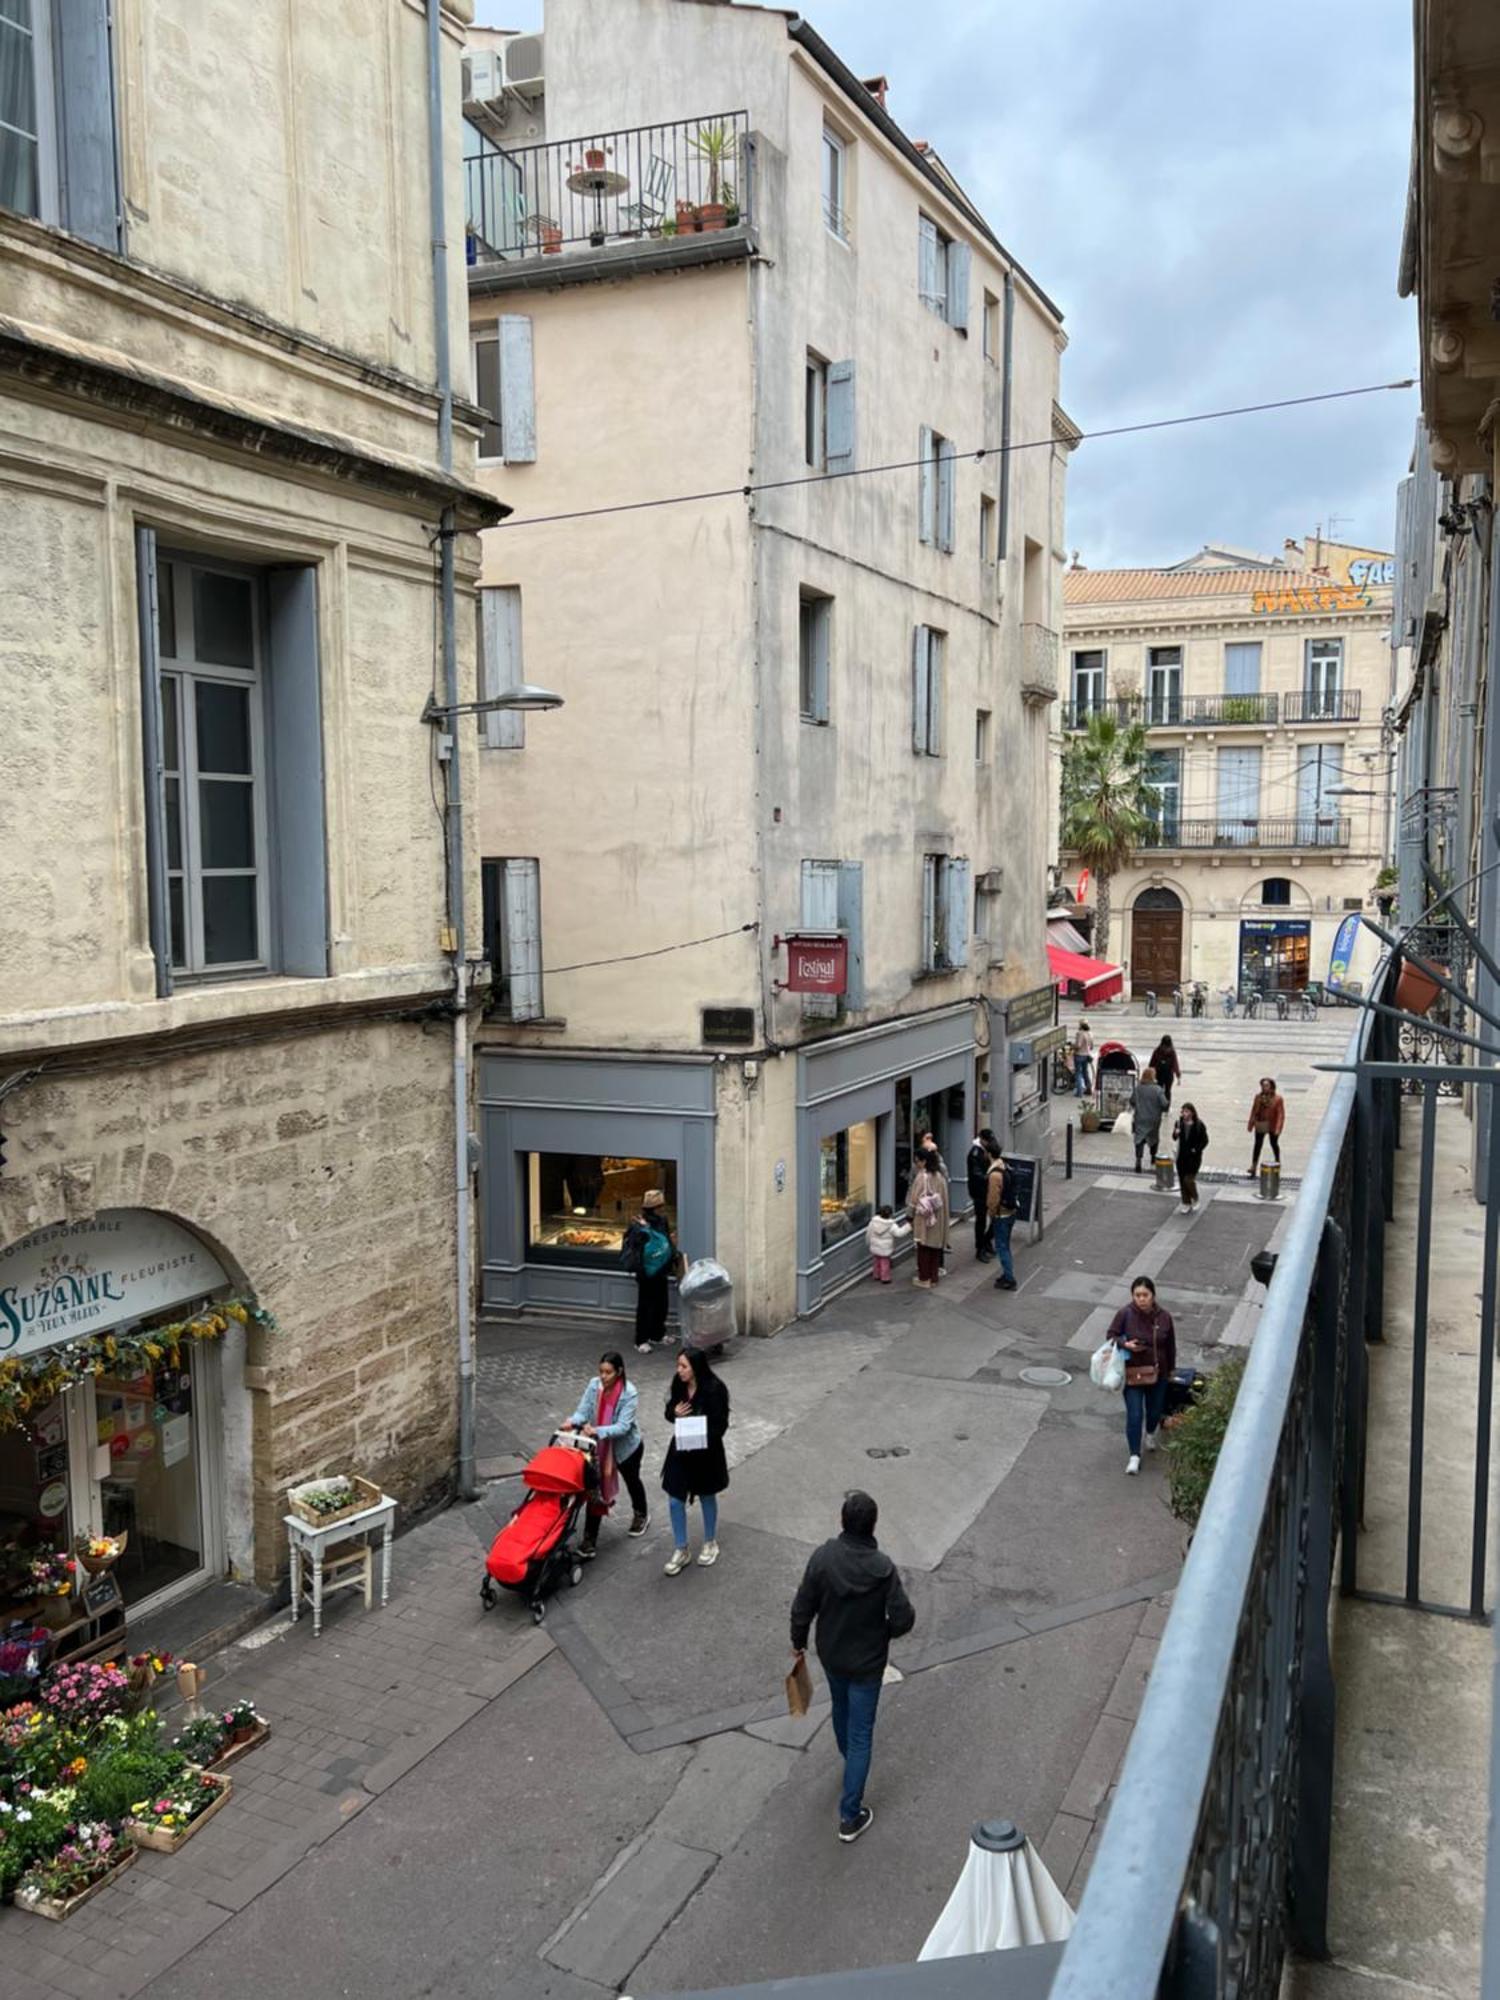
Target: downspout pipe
<point x="452" y="763"/>
<point x="1006" y="351"/>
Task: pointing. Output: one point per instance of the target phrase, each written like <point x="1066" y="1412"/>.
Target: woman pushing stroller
<point x="606" y="1412"/>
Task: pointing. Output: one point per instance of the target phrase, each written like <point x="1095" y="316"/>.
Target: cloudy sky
<point x="1214" y="197"/>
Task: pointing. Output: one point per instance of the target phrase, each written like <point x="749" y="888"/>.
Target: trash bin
<point x="1165" y="1174"/>
<point x="1270" y="1181"/>
<point x="705" y="1304"/>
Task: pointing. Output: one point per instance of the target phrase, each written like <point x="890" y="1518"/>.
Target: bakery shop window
<point x="579" y="1205"/>
<point x="846" y="1187"/>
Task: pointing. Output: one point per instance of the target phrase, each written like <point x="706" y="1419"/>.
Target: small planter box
<point x="362" y="1495"/>
<point x="232" y="1752"/>
<point x="160" y="1841"/>
<point x="58" y="1912"/>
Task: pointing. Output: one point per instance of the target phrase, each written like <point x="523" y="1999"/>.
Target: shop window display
<point x="847" y="1182"/>
<point x="579" y="1205"/>
<point x="925" y="1115"/>
<point x="35" y="1515"/>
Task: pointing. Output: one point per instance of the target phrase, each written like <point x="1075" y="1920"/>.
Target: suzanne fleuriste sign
<point x="817" y="965"/>
<point x="84" y="1277"/>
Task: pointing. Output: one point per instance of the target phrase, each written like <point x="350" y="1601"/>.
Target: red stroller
<point x="534" y="1551"/>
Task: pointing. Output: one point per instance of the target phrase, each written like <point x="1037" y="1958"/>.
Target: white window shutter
<point x="956" y="915"/>
<point x="500" y="664"/>
<point x="840" y="416"/>
<point x="820" y="912"/>
<point x="937" y="668"/>
<point x="926" y="487"/>
<point x="921" y="672"/>
<point x="517" y="390"/>
<point x="960" y="258"/>
<point x="927" y="259"/>
<point x="523" y="938"/>
<point x="158" y="918"/>
<point x="929" y="910"/>
<point x="947" y="483"/>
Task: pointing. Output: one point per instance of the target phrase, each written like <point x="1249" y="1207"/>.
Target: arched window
<point x="1158" y="899"/>
<point x="1276" y="889"/>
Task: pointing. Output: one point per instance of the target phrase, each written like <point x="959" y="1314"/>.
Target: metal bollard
<point x="1068" y="1166"/>
<point x="1164" y="1173"/>
<point x="1270" y="1181"/>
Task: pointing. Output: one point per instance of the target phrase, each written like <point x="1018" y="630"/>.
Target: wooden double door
<point x="1155" y="942"/>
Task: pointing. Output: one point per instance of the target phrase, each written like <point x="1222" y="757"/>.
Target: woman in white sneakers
<point x="1148" y="1339"/>
<point x="702" y="1473"/>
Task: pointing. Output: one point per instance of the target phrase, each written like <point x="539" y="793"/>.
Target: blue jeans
<point x="854" y="1706"/>
<point x="1147" y="1403"/>
<point x="1000" y="1237"/>
<point x="1082" y="1070"/>
<point x="709" y="1502"/>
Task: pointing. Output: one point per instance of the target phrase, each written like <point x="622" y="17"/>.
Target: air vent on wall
<point x="732" y="1025"/>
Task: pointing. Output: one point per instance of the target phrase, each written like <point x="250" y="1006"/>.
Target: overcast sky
<point x="1214" y="197"/>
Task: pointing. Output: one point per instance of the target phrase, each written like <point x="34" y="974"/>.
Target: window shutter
<point x="947" y="482"/>
<point x="929" y="910"/>
<point x="956" y="915"/>
<point x="523" y="937"/>
<point x="517" y="390"/>
<point x="840" y="416"/>
<point x="500" y="664"/>
<point x="86" y="121"/>
<point x="294" y="726"/>
<point x="821" y="636"/>
<point x="820" y="912"/>
<point x="960" y="258"/>
<point x="158" y="921"/>
<point x="921" y="679"/>
<point x="851" y="915"/>
<point x="937" y="667"/>
<point x="926" y="487"/>
<point x="927" y="259"/>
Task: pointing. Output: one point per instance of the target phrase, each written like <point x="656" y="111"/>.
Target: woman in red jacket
<point x="1267" y="1116"/>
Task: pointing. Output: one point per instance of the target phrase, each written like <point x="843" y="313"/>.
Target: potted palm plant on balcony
<point x="712" y="144"/>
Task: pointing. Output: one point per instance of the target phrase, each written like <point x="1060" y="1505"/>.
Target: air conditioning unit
<point x="523" y="65"/>
<point x="483" y="78"/>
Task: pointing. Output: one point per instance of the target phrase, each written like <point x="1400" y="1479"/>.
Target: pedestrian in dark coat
<point x="853" y="1591"/>
<point x="1168" y="1068"/>
<point x="701" y="1474"/>
<point x="1148" y="1339"/>
<point x="977" y="1173"/>
<point x="1191" y="1135"/>
<point x="652" y="1288"/>
<point x="1267" y="1117"/>
<point x="1147" y="1109"/>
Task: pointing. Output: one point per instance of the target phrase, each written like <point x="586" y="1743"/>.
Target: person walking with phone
<point x="852" y="1592"/>
<point x="606" y="1412"/>
<point x="1146" y="1336"/>
<point x="1191" y="1136"/>
<point x="1267" y="1117"/>
<point x="650" y="1254"/>
<point x="695" y="1468"/>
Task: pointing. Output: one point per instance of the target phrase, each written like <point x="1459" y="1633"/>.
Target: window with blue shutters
<point x="505" y="390"/>
<point x="57" y="116"/>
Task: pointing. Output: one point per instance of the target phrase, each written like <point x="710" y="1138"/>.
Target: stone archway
<point x="1155" y="941"/>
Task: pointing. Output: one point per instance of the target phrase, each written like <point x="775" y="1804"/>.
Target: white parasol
<point x="1004" y="1897"/>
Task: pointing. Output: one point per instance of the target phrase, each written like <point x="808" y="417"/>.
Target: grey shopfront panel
<point x="851" y="1082"/>
<point x="585" y="1106"/>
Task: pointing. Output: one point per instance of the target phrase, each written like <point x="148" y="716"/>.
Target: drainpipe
<point x="453" y="809"/>
<point x="1005" y="375"/>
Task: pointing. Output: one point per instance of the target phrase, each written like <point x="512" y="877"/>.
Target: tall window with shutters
<point x="512" y="891"/>
<point x="929" y="649"/>
<point x="832" y="899"/>
<point x="946" y="903"/>
<point x="500" y="665"/>
<point x="814" y="646"/>
<point x="505" y="390"/>
<point x="57" y="116"/>
<point x="937" y="489"/>
<point x="943" y="271"/>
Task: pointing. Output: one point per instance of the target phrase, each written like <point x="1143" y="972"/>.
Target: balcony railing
<point x="1040" y="648"/>
<point x="1227" y="711"/>
<point x="1341" y="706"/>
<point x="1181" y="711"/>
<point x="689" y="178"/>
<point x="1306" y="830"/>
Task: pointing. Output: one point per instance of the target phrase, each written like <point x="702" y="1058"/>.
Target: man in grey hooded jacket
<point x="854" y="1591"/>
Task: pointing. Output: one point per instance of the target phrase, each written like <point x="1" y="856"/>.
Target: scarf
<point x="609" y="1478"/>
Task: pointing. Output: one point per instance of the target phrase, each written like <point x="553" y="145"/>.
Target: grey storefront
<point x="861" y="1099"/>
<point x="1024" y="1029"/>
<point x="570" y="1144"/>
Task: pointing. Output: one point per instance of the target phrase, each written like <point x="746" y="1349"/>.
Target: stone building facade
<point x="819" y="708"/>
<point x="225" y="1043"/>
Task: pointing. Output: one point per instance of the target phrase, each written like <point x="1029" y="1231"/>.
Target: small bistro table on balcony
<point x="598" y="181"/>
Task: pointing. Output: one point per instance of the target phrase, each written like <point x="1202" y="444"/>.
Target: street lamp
<point x="525" y="695"/>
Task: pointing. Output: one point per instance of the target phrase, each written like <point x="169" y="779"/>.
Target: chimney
<point x="877" y="87"/>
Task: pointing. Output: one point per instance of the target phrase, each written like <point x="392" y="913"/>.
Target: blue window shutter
<point x="86" y="121"/>
<point x="960" y="258"/>
<point x="840" y="416"/>
<point x="921" y="675"/>
<point x="926" y="487"/>
<point x="956" y="915"/>
<point x="930" y="865"/>
<point x="523" y="937"/>
<point x="947" y="482"/>
<point x="851" y="913"/>
<point x="937" y="667"/>
<point x="295" y="731"/>
<point x="500" y="664"/>
<point x="517" y="390"/>
<point x="158" y="920"/>
<point x="822" y="645"/>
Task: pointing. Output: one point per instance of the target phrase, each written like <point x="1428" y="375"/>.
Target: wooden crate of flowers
<point x="89" y="1858"/>
<point x="217" y="1741"/>
<point x="173" y="1815"/>
<point x="336" y="1497"/>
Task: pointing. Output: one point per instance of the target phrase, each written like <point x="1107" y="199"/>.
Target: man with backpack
<point x="1000" y="1208"/>
<point x="977" y="1173"/>
<point x="650" y="1254"/>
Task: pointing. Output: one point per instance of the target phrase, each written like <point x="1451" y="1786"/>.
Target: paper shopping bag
<point x="692" y="1433"/>
<point x="799" y="1688"/>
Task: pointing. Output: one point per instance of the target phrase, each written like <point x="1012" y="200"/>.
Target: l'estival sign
<point x="85" y="1277"/>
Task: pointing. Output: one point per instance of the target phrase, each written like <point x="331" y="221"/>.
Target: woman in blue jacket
<point x="606" y="1413"/>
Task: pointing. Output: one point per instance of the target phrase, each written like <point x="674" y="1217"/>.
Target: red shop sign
<point x="817" y="965"/>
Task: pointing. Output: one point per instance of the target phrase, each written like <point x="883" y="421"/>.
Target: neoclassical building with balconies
<point x="1263" y="688"/>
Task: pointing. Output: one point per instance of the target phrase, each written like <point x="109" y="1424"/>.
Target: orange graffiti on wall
<point x="1309" y="599"/>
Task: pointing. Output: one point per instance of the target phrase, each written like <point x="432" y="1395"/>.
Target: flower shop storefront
<point x="111" y="1411"/>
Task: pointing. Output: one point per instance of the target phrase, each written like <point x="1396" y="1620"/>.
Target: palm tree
<point x="1107" y="803"/>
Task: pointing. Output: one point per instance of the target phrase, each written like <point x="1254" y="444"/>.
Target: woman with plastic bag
<point x="1147" y="1340"/>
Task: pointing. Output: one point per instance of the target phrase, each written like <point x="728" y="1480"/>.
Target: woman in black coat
<point x="700" y="1474"/>
<point x="1191" y="1135"/>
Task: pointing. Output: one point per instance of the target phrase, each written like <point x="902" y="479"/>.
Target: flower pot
<point x="240" y="1745"/>
<point x="1415" y="992"/>
<point x="162" y="1840"/>
<point x="58" y="1911"/>
<point x="1088" y="1119"/>
<point x="593" y="159"/>
<point x="552" y="240"/>
<point x="712" y="215"/>
<point x="56" y="1609"/>
<point x="687" y="219"/>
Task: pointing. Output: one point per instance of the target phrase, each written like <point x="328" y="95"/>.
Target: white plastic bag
<point x="1107" y="1368"/>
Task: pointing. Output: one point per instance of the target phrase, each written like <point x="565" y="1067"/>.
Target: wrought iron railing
<point x="1214" y="1858"/>
<point x="1180" y="711"/>
<point x="1227" y="711"/>
<point x="691" y="177"/>
<point x="1306" y="830"/>
<point x="1308" y="706"/>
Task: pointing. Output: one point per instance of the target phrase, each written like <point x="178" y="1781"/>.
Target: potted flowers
<point x="52" y="1581"/>
<point x="80" y="1694"/>
<point x="175" y="1813"/>
<point x="92" y="1854"/>
<point x="97" y="1553"/>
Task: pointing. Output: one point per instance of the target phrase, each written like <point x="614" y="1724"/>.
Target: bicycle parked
<point x="1151" y="1002"/>
<point x="1308" y="1006"/>
<point x="1252" y="1005"/>
<point x="1179" y="1001"/>
<point x="1200" y="999"/>
<point x="1229" y="997"/>
<point x="1283" y="1006"/>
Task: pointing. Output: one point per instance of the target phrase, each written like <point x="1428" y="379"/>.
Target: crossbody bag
<point x="1144" y="1374"/>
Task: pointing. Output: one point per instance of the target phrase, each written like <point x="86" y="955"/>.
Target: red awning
<point x="1099" y="981"/>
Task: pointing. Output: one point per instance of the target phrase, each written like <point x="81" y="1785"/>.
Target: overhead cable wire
<point x="977" y="453"/>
